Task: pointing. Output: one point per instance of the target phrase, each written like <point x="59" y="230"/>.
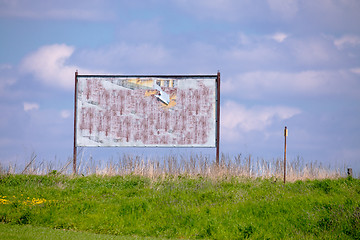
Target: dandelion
<point x="28" y="201"/>
<point x="4" y="201"/>
<point x="34" y="201"/>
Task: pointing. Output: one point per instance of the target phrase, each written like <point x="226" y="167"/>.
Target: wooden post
<point x="249" y="165"/>
<point x="285" y="135"/>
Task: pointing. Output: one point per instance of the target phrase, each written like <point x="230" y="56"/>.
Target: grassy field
<point x="181" y="207"/>
<point x="29" y="232"/>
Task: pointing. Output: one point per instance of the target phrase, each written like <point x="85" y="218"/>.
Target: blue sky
<point x="282" y="63"/>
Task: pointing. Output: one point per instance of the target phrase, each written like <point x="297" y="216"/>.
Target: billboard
<point x="146" y="111"/>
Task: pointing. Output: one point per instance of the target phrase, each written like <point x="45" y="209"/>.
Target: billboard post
<point x="218" y="119"/>
<point x="75" y="123"/>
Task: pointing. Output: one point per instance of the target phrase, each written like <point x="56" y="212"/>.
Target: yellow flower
<point x="4" y="201"/>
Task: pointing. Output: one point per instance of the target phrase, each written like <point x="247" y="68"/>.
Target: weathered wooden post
<point x="285" y="135"/>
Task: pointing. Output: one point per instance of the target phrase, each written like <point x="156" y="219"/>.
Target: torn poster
<point x="145" y="111"/>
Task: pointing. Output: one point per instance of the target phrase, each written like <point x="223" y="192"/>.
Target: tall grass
<point x="197" y="165"/>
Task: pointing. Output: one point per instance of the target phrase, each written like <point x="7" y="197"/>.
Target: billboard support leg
<point x="75" y="109"/>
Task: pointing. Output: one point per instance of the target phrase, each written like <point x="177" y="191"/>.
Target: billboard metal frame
<point x="217" y="107"/>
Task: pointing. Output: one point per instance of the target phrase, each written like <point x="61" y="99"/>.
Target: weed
<point x="193" y="166"/>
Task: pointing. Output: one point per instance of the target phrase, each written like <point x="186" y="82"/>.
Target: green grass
<point x="28" y="232"/>
<point x="184" y="207"/>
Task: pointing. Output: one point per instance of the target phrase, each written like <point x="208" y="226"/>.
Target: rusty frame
<point x="217" y="120"/>
<point x="75" y="124"/>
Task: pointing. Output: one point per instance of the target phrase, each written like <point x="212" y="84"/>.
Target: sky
<point x="292" y="63"/>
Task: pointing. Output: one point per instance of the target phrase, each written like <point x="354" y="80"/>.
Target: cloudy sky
<point x="292" y="63"/>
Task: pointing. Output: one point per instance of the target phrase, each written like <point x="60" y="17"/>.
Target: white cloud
<point x="28" y="106"/>
<point x="48" y="64"/>
<point x="262" y="84"/>
<point x="65" y="114"/>
<point x="236" y="118"/>
<point x="347" y="41"/>
<point x="279" y="37"/>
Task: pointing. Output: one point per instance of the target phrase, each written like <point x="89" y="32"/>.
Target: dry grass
<point x="192" y="166"/>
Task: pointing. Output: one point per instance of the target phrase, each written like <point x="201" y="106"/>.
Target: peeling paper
<point x="145" y="112"/>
